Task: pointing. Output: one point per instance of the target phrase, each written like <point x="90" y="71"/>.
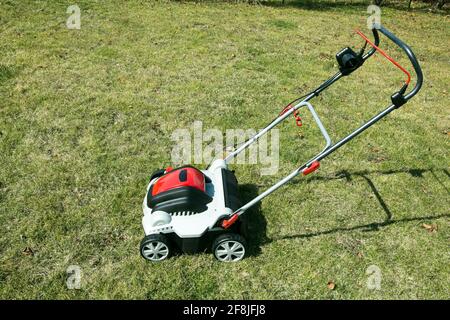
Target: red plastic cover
<point x="182" y="177"/>
<point x="313" y="167"/>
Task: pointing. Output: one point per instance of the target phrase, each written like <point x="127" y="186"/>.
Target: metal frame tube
<point x="296" y="171"/>
<point x="326" y="152"/>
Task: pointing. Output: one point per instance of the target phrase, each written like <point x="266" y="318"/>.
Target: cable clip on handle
<point x="296" y="114"/>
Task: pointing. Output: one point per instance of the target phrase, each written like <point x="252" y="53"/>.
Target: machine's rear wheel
<point x="229" y="247"/>
<point x="155" y="247"/>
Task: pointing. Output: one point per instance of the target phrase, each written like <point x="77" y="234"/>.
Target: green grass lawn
<point x="86" y="115"/>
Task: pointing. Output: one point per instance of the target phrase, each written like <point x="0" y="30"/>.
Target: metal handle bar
<point x="411" y="57"/>
<point x="398" y="99"/>
<point x="376" y="38"/>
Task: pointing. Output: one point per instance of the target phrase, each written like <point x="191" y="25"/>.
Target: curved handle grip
<point x="411" y="57"/>
<point x="376" y="41"/>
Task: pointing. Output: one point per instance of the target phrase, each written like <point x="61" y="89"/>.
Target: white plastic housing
<point x="186" y="224"/>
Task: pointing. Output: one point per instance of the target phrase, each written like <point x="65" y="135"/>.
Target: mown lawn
<point x="86" y="115"/>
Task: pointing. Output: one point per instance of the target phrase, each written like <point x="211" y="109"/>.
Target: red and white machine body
<point x="187" y="203"/>
<point x="190" y="208"/>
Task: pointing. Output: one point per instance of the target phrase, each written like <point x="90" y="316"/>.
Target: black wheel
<point x="229" y="247"/>
<point x="157" y="174"/>
<point x="155" y="247"/>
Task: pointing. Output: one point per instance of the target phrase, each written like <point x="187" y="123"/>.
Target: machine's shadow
<point x="257" y="224"/>
<point x="254" y="223"/>
<point x="344" y="5"/>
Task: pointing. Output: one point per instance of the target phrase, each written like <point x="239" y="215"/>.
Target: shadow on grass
<point x="365" y="227"/>
<point x="315" y="5"/>
<point x="260" y="228"/>
<point x="416" y="173"/>
<point x="254" y="224"/>
<point x="326" y="5"/>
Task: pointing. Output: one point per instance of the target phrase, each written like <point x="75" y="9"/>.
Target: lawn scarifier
<point x="196" y="209"/>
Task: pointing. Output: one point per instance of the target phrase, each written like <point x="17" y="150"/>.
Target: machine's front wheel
<point x="155" y="247"/>
<point x="229" y="247"/>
